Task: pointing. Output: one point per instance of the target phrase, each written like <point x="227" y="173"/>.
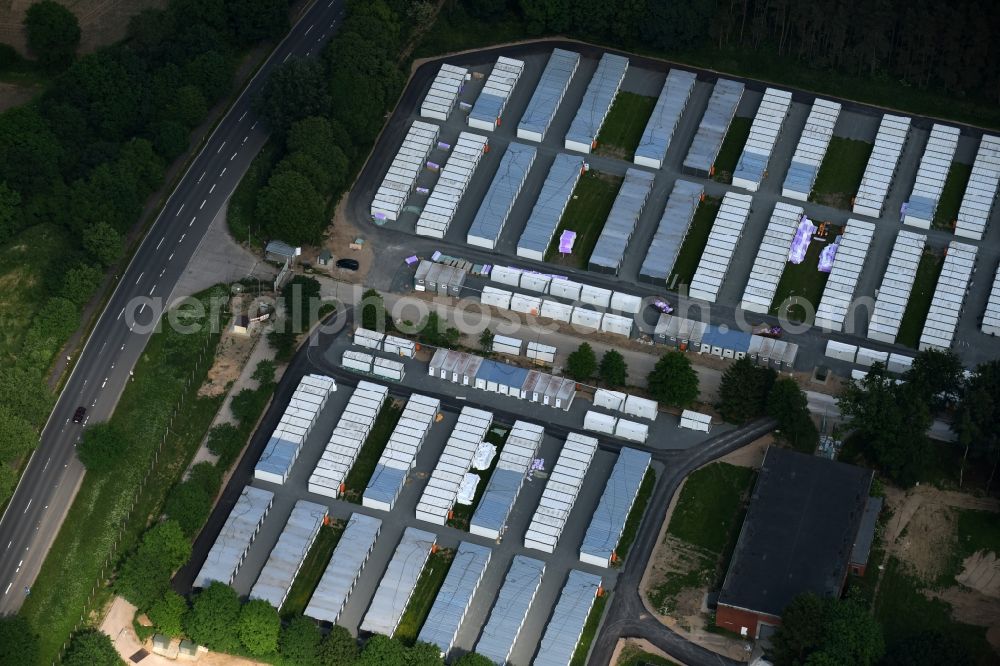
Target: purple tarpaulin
<point x="800" y="244"/>
<point x="566" y="241"/>
<point x="827" y="256"/>
<point x="444" y="146"/>
<point x="423" y="190"/>
<point x="412" y="260"/>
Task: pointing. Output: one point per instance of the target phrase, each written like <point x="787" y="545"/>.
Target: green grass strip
<point x="694" y="244"/>
<point x="951" y="196"/>
<point x="92" y="526"/>
<point x="732" y="148"/>
<point x="368" y="457"/>
<point x="635" y="516"/>
<point x="312" y="569"/>
<point x="840" y="174"/>
<point x="589" y="631"/>
<point x="430" y="581"/>
<point x="802" y="281"/>
<point x="921" y="296"/>
<point x="623" y="128"/>
<point x="586" y="214"/>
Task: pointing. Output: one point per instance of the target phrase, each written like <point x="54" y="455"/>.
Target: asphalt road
<point x="53" y="475"/>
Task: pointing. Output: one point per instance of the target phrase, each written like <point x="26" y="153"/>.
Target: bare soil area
<point x="102" y="22"/>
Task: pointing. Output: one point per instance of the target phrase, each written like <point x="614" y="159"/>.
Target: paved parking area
<point x="666" y="440"/>
<point x="646" y="77"/>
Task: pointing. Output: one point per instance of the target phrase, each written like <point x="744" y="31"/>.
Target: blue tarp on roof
<point x="501" y="373"/>
<point x="730" y="339"/>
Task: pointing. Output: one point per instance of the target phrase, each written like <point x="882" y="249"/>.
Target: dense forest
<point x="947" y="46"/>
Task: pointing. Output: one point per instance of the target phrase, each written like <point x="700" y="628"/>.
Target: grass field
<point x="82" y="546"/>
<point x="624" y="125"/>
<point x="364" y="466"/>
<point x="732" y="148"/>
<point x="694" y="244"/>
<point x="586" y="213"/>
<point x="951" y="196"/>
<point x="634" y="656"/>
<point x="635" y="516"/>
<point x="802" y="281"/>
<point x="431" y="579"/>
<point x="977" y="531"/>
<point x="589" y="631"/>
<point x="904" y="612"/>
<point x="840" y="174"/>
<point x="707" y="517"/>
<point x="312" y="569"/>
<point x="462" y="513"/>
<point x="920" y="300"/>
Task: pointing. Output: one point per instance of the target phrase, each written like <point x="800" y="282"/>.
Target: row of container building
<point x="297" y="421"/>
<point x="447" y="85"/>
<point x="932" y="173"/>
<point x="561" y="287"/>
<point x="348" y="437"/>
<point x="565" y="628"/>
<point x="495" y="209"/>
<point x="439" y="278"/>
<point x="400" y="453"/>
<point x="513" y="463"/>
<point x="439" y="209"/>
<point x="671" y="231"/>
<point x="596" y="103"/>
<point x="378" y="341"/>
<point x="772" y="255"/>
<point x="608" y="523"/>
<point x="540" y="353"/>
<point x="981" y="192"/>
<point x="712" y="130"/>
<point x="752" y="165"/>
<point x="881" y="169"/>
<point x="489" y="107"/>
<point x="383" y="368"/>
<point x="511" y="380"/>
<point x="582" y="317"/>
<point x="560" y="492"/>
<point x="548" y="95"/>
<point x="842" y="351"/>
<point x="406" y="166"/>
<point x="848" y="262"/>
<point x="991" y="317"/>
<point x="667" y="112"/>
<point x="441" y="491"/>
<point x="607" y="424"/>
<point x="811" y="150"/>
<point x="949" y="296"/>
<point x="689" y="334"/>
<point x="894" y="292"/>
<point x="286" y="558"/>
<point x="451" y="605"/>
<point x="344" y="569"/>
<point x="227" y="554"/>
<point x="548" y="210"/>
<point x="398" y="582"/>
<point x="721" y="246"/>
<point x="693" y="420"/>
<point x="630" y="405"/>
<point x="609" y="250"/>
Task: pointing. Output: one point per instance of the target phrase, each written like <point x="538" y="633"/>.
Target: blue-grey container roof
<point x="714" y="124"/>
<point x="549" y="92"/>
<point x="455" y="595"/>
<point x="598" y="98"/>
<point x="612" y="511"/>
<point x="669" y="106"/>
<point x="510" y="609"/>
<point x="506" y="185"/>
<point x="563" y="631"/>
<point x="609" y="251"/>
<point x="673" y="227"/>
<point x="552" y="200"/>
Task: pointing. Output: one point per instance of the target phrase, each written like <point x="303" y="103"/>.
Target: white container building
<point x="297" y="421"/>
<point x="345" y="567"/>
<point x="811" y="150"/>
<point x="548" y="95"/>
<point x="949" y="297"/>
<point x="398" y="183"/>
<point x="444" y="91"/>
<point x="852" y="253"/>
<point x="894" y="294"/>
<point x="608" y="523"/>
<point x="400" y="453"/>
<point x="276" y="578"/>
<point x="663" y="120"/>
<point x="771" y="258"/>
<point x="240" y="529"/>
<point x="695" y="421"/>
<point x="500" y="197"/>
<point x="441" y="491"/>
<point x="455" y="596"/>
<point x="488" y="110"/>
<point x="510" y="609"/>
<point x="560" y="493"/>
<point x="981" y="192"/>
<point x="751" y="168"/>
<point x="596" y="103"/>
<point x="720" y="247"/>
<point x="439" y="210"/>
<point x="549" y="207"/>
<point x="882" y="163"/>
<point x="931" y="175"/>
<point x="398" y="582"/>
<point x="490" y="517"/>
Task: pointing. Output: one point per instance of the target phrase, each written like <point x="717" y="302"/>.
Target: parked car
<point x="348" y="264"/>
<point x="79" y="414"/>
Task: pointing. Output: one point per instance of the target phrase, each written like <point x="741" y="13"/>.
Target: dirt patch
<point x="102" y="22"/>
<point x="12" y="94"/>
<point x="835" y="200"/>
<point x="970" y="606"/>
<point x="230" y="356"/>
<point x="341" y="234"/>
<point x="627" y="648"/>
<point x="981" y="572"/>
<point x="751" y="455"/>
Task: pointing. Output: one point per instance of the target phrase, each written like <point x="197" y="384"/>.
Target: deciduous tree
<point x="613" y="370"/>
<point x="53" y="33"/>
<point x="91" y="648"/>
<point x="258" y="627"/>
<point x="299" y="641"/>
<point x="18" y="643"/>
<point x="581" y="364"/>
<point x="743" y="391"/>
<point x="673" y="381"/>
<point x="167" y="613"/>
<point x="103" y="447"/>
<point x="213" y="618"/>
<point x="291" y="209"/>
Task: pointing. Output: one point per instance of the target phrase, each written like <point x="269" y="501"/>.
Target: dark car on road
<point x="79" y="414"/>
<point x="348" y="264"/>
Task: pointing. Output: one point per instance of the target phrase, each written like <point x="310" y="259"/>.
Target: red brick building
<point x="809" y="522"/>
